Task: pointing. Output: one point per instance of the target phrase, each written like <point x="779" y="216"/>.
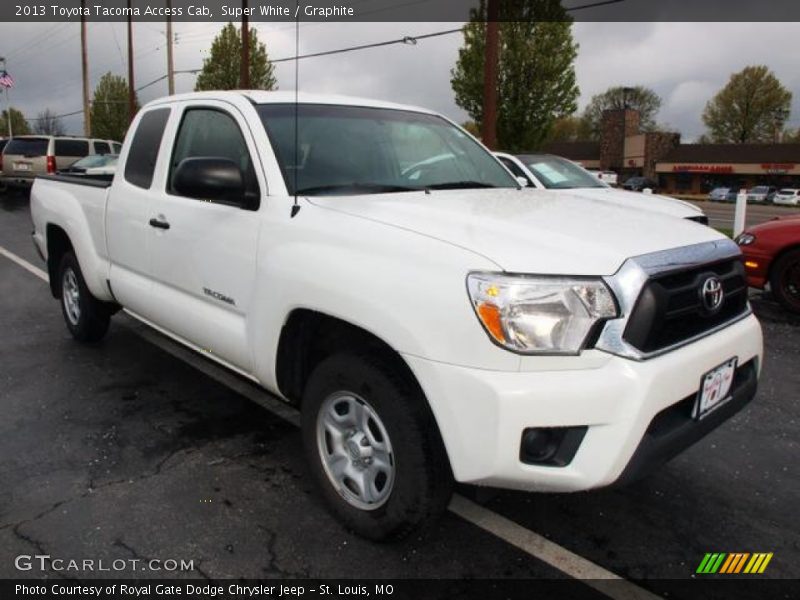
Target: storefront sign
<point x="703" y="168"/>
<point x="777" y="168"/>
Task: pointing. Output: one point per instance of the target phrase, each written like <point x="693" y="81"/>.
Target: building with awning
<point x="697" y="168"/>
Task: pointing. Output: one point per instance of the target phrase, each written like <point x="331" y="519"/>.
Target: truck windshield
<point x="345" y="150"/>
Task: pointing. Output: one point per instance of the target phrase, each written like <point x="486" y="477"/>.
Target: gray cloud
<point x="684" y="62"/>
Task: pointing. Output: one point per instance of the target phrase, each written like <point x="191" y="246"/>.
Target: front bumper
<point x="482" y="414"/>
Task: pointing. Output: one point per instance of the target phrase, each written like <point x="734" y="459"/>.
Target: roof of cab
<point x="287" y="97"/>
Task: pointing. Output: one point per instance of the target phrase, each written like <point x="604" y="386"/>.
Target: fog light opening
<point x="550" y="446"/>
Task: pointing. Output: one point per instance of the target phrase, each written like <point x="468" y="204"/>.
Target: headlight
<point x="539" y="314"/>
<point x="745" y="239"/>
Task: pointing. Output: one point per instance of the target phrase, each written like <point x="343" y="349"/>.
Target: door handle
<point x="159" y="224"/>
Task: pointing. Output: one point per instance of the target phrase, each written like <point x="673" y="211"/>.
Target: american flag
<point x="6" y="80"/>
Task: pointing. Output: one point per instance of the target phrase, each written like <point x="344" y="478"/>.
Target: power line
<point x="409" y="40"/>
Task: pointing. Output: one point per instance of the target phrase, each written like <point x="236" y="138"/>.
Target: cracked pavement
<point x="122" y="451"/>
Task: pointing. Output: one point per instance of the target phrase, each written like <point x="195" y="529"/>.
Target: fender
<point x="58" y="205"/>
<point x="374" y="276"/>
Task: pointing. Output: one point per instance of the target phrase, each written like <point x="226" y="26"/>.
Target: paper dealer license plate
<point x="715" y="388"/>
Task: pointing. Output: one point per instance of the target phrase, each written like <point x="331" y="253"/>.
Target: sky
<point x="685" y="63"/>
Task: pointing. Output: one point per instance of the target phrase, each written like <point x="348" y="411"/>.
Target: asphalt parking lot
<point x="720" y="214"/>
<point x="127" y="450"/>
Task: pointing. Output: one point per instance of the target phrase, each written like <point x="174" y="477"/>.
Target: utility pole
<point x="244" y="74"/>
<point x="87" y="112"/>
<point x="131" y="88"/>
<point x="489" y="124"/>
<point x="8" y="102"/>
<point x="170" y="64"/>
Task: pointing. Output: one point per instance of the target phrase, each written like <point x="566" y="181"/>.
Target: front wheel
<point x="785" y="281"/>
<point x="86" y="317"/>
<point x="373" y="447"/>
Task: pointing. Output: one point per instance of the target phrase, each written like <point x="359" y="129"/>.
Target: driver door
<point x="203" y="252"/>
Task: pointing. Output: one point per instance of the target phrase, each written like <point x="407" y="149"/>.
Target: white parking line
<point x="23" y="263"/>
<point x="528" y="541"/>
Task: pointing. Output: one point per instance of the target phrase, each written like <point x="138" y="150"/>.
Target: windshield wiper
<point x="460" y="185"/>
<point x="357" y="188"/>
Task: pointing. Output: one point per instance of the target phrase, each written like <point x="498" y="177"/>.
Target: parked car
<point x="761" y="194"/>
<point x="436" y="325"/>
<point x="96" y="165"/>
<point x="27" y="156"/>
<point x="638" y="184"/>
<point x="546" y="171"/>
<point x="733" y="194"/>
<point x="3" y="142"/>
<point x="719" y="194"/>
<point x="609" y="177"/>
<point x="772" y="256"/>
<point x="787" y="197"/>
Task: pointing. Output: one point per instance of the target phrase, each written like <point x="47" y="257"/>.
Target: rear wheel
<point x="373" y="447"/>
<point x="785" y="280"/>
<point x="86" y="317"/>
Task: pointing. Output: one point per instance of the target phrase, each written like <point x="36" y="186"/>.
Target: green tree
<point x="110" y="118"/>
<point x="571" y="129"/>
<point x="19" y="125"/>
<point x="221" y="70"/>
<point x="536" y="78"/>
<point x="792" y="136"/>
<point x="752" y="107"/>
<point x="640" y="98"/>
<point x="472" y="127"/>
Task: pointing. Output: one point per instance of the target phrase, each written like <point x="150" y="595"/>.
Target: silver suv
<point x="26" y="156"/>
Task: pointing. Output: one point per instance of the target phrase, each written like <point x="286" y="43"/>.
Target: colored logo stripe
<point x="735" y="562"/>
<point x="758" y="563"/>
<point x="721" y="562"/>
<point x="711" y="562"/>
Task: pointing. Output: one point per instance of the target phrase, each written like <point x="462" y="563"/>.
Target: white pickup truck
<point x="376" y="266"/>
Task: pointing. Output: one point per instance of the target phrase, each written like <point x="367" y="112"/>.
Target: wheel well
<point x="777" y="257"/>
<point x="308" y="337"/>
<point x="58" y="245"/>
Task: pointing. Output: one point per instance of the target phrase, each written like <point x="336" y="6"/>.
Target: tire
<point x="86" y="317"/>
<point x="784" y="280"/>
<point x="400" y="432"/>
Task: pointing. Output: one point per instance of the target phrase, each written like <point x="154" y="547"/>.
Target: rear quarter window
<point x="71" y="148"/>
<point x="102" y="148"/>
<point x="143" y="152"/>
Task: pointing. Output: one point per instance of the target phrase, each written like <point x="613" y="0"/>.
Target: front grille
<point x="670" y="308"/>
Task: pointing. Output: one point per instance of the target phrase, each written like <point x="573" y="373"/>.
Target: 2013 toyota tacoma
<point x="376" y="266"/>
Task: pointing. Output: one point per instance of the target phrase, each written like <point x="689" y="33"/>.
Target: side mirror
<point x="210" y="178"/>
<point x="523" y="181"/>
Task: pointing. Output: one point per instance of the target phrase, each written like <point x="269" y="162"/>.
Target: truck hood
<point x="654" y="202"/>
<point x="529" y="231"/>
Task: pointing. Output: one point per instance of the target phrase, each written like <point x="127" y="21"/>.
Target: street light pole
<point x="170" y="62"/>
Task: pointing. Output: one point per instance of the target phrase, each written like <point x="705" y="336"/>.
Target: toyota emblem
<point x="712" y="294"/>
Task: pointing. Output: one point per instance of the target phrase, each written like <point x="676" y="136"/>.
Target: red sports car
<point x="772" y="254"/>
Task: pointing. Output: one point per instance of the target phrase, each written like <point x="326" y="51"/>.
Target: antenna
<point x="296" y="206"/>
